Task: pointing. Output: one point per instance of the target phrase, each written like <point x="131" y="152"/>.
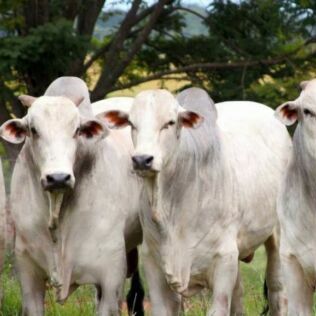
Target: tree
<point x="255" y="49"/>
<point x="41" y="40"/>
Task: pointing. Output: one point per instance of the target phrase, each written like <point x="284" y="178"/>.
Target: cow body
<point x="213" y="194"/>
<point x="2" y="223"/>
<point x="296" y="207"/>
<point x="97" y="223"/>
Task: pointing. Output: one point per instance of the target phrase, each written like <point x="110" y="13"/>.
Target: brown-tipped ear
<point x="190" y="119"/>
<point x="287" y="113"/>
<point x="303" y="84"/>
<point x="114" y="119"/>
<point x="26" y="100"/>
<point x="93" y="128"/>
<point x="76" y="99"/>
<point x="13" y="131"/>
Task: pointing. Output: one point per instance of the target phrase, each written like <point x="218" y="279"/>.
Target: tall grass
<point x="82" y="302"/>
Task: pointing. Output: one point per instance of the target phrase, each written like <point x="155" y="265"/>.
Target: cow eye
<point x="308" y="112"/>
<point x="170" y="123"/>
<point x="34" y="131"/>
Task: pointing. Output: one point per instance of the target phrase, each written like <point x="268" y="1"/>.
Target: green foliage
<point x="232" y="31"/>
<point x="44" y="53"/>
<point x="241" y="31"/>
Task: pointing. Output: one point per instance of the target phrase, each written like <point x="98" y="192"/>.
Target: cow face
<point x="156" y="120"/>
<point x="53" y="128"/>
<point x="303" y="109"/>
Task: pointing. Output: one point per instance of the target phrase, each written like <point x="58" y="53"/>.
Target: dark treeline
<point x="250" y="49"/>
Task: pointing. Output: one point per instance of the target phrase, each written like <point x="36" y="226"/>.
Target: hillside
<point x="110" y="21"/>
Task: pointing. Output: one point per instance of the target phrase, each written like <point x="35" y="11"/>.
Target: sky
<point x="117" y="4"/>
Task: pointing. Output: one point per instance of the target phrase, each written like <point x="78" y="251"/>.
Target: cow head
<point x="53" y="128"/>
<point x="156" y="120"/>
<point x="303" y="109"/>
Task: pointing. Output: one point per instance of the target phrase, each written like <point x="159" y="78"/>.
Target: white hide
<point x="72" y="88"/>
<point x="114" y="103"/>
<point x="2" y="224"/>
<point x="213" y="195"/>
<point x="98" y="219"/>
<point x="297" y="203"/>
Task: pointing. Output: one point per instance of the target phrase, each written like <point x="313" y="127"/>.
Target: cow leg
<point x="108" y="297"/>
<point x="237" y="308"/>
<point x="299" y="292"/>
<point x="164" y="301"/>
<point x="224" y="281"/>
<point x="109" y="291"/>
<point x="277" y="302"/>
<point x="33" y="286"/>
<point x="136" y="294"/>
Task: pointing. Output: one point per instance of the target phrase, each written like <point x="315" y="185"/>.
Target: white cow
<point x="297" y="203"/>
<point x="2" y="223"/>
<point x="213" y="193"/>
<point x="74" y="200"/>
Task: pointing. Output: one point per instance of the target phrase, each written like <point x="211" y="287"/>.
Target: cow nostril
<point x="135" y="159"/>
<point x="50" y="179"/>
<point x="148" y="161"/>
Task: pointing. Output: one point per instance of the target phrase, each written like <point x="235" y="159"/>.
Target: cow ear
<point x="92" y="129"/>
<point x="190" y="119"/>
<point x="14" y="131"/>
<point x="287" y="113"/>
<point x="114" y="119"/>
<point x="26" y="100"/>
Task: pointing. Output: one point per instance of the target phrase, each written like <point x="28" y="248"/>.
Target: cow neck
<point x="185" y="172"/>
<point x="176" y="195"/>
<point x="26" y="157"/>
<point x="303" y="162"/>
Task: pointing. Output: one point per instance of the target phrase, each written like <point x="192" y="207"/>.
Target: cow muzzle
<point x="57" y="182"/>
<point x="142" y="162"/>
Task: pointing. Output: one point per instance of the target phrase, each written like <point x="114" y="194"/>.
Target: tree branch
<point x="202" y="17"/>
<point x="115" y="67"/>
<point x="102" y="50"/>
<point x="200" y="67"/>
<point x="88" y="16"/>
<point x="212" y="66"/>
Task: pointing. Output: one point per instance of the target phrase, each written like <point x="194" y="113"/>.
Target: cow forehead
<point x="308" y="95"/>
<point x="53" y="111"/>
<point x="159" y="105"/>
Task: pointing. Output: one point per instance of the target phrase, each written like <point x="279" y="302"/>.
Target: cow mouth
<point x="56" y="188"/>
<point x="148" y="173"/>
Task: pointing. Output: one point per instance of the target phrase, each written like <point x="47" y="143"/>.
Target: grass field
<point x="81" y="303"/>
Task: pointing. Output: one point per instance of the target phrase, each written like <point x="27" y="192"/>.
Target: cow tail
<point x="135" y="296"/>
<point x="265" y="310"/>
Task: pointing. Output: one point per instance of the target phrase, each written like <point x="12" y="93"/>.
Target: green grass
<point x="82" y="301"/>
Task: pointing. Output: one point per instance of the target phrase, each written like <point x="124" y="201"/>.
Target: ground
<point x="81" y="303"/>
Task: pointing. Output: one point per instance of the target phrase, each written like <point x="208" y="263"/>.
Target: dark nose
<point x="57" y="181"/>
<point x="142" y="162"/>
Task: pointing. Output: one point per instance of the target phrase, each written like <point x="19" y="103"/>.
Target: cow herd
<point x="200" y="185"/>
